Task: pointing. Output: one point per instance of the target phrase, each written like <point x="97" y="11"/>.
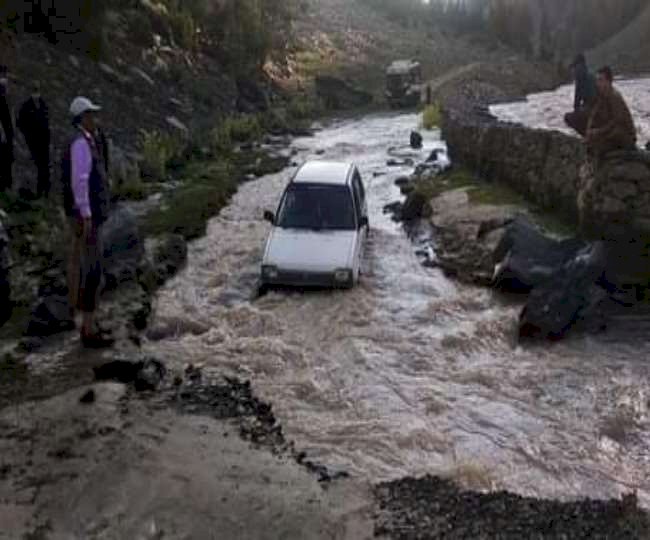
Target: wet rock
<point x="525" y="258"/>
<point x="435" y="508"/>
<point x="123" y="247"/>
<point x="51" y="315"/>
<point x="571" y="295"/>
<point x="467" y="235"/>
<point x="165" y="256"/>
<point x="402" y="181"/>
<point x="338" y="94"/>
<point x="415" y="207"/>
<point x="415" y="140"/>
<point x="145" y="375"/>
<point x="150" y="376"/>
<point x="88" y="397"/>
<point x="395" y="209"/>
<point x="5" y="288"/>
<point x="408" y="162"/>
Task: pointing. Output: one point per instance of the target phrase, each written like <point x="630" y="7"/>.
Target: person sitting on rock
<point x="585" y="96"/>
<point x="611" y="126"/>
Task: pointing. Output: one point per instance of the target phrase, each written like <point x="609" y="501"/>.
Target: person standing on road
<point x="34" y="123"/>
<point x="6" y="133"/>
<point x="585" y="96"/>
<point x="86" y="201"/>
<point x="611" y="126"/>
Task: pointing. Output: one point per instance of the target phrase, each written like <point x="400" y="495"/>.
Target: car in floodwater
<point x="404" y="84"/>
<point x="319" y="230"/>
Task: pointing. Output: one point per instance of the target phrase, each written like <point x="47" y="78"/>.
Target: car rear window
<point x="317" y="207"/>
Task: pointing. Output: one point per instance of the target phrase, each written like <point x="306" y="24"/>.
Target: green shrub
<point x="207" y="188"/>
<point x="184" y="29"/>
<point x="158" y="150"/>
<point x="431" y="116"/>
<point x="235" y="129"/>
<point x="134" y="189"/>
<point x="302" y="108"/>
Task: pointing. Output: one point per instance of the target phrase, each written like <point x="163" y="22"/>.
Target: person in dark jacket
<point x="87" y="202"/>
<point x="34" y="123"/>
<point x="611" y="126"/>
<point x="6" y="134"/>
<point x="585" y="96"/>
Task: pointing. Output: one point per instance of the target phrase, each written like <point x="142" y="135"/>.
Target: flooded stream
<point x="410" y="373"/>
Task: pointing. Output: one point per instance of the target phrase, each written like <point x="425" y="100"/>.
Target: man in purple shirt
<point x="86" y="201"/>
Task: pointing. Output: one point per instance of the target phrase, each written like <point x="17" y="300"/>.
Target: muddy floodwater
<point x="410" y="373"/>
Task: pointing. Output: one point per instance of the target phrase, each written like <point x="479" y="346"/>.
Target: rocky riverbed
<point x="411" y="374"/>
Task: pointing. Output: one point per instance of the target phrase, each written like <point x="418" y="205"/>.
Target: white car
<point x="320" y="229"/>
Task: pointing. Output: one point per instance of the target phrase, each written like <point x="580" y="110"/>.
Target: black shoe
<point x="96" y="341"/>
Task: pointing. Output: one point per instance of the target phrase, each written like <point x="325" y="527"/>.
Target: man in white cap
<point x="86" y="201"/>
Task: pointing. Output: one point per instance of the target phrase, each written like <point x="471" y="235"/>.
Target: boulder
<point x="572" y="295"/>
<point x="5" y="289"/>
<point x="416" y="140"/>
<point x="123" y="247"/>
<point x="338" y="94"/>
<point x="50" y="316"/>
<point x="415" y="207"/>
<point x="525" y="258"/>
<point x="468" y="234"/>
<point x="165" y="256"/>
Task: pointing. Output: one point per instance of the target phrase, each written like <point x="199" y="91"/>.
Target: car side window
<point x="362" y="191"/>
<point x="357" y="197"/>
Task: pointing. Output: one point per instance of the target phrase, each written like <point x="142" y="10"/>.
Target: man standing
<point x="33" y="121"/>
<point x="585" y="96"/>
<point x="611" y="126"/>
<point x="6" y="134"/>
<point x="86" y="201"/>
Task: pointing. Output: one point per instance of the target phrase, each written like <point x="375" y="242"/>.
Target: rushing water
<point x="410" y="373"/>
<point x="546" y="110"/>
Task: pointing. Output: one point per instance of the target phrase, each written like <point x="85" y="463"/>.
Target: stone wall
<point x="544" y="166"/>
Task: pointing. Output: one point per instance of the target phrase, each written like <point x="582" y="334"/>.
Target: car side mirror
<point x="269" y="216"/>
<point x="363" y="222"/>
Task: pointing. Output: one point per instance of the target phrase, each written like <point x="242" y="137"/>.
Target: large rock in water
<point x="525" y="258"/>
<point x="123" y="247"/>
<point x="338" y="94"/>
<point x="572" y="295"/>
<point x="5" y="289"/>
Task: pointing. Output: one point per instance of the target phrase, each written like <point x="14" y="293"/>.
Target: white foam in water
<point x="546" y="110"/>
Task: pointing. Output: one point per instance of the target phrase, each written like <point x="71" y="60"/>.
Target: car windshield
<point x="317" y="207"/>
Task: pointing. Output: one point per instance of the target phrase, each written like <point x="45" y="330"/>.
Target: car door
<point x="361" y="206"/>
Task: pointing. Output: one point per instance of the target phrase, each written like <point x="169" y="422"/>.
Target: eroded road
<point x="410" y="373"/>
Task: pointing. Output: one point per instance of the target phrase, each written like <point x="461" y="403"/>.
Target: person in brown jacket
<point x="611" y="126"/>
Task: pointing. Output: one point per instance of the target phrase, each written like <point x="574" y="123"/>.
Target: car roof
<point x="323" y="172"/>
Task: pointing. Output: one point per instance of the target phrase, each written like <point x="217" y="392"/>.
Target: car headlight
<point x="269" y="271"/>
<point x="342" y="275"/>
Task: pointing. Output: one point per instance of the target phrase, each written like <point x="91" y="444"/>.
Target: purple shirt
<point x="81" y="166"/>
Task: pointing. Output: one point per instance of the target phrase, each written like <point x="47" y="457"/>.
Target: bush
<point x="431" y="116"/>
<point x="158" y="150"/>
<point x="208" y="187"/>
<point x="184" y="30"/>
<point x="235" y="129"/>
